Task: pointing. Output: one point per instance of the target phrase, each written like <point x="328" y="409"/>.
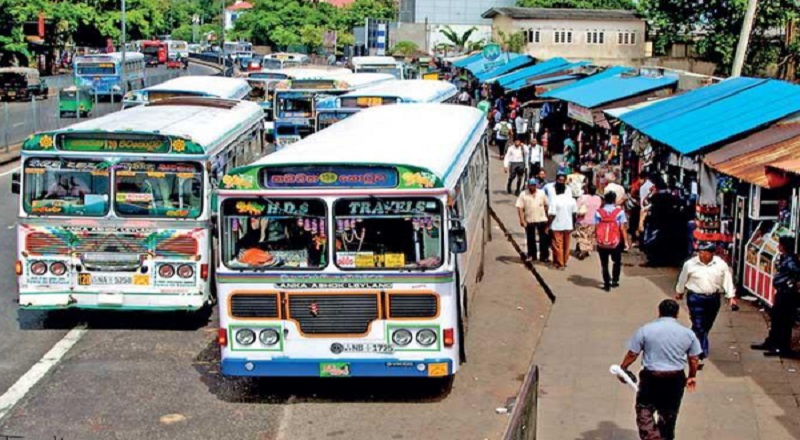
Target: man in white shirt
<point x="463" y="97"/>
<point x="535" y="154"/>
<point x="562" y="222"/>
<point x="503" y="131"/>
<point x="704" y="278"/>
<point x="520" y="126"/>
<point x="644" y="190"/>
<point x="532" y="210"/>
<point x="616" y="188"/>
<point x="514" y="165"/>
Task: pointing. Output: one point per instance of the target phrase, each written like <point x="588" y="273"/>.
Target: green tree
<point x="459" y="41"/>
<point x="405" y="48"/>
<point x="512" y="42"/>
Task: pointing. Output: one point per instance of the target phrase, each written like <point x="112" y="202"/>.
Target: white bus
<point x="378" y="64"/>
<point x="116" y="212"/>
<point x="346" y="255"/>
<point x="201" y="86"/>
<point x="263" y="82"/>
<point x="295" y="101"/>
<point x="102" y="73"/>
<point x="177" y="49"/>
<point x="283" y="60"/>
<point x="333" y="110"/>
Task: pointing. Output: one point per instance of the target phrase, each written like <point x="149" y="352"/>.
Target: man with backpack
<point x="503" y="131"/>
<point x="612" y="238"/>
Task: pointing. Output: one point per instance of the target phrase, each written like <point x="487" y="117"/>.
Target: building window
<point x="626" y="38"/>
<point x="532" y="35"/>
<point x="595" y="37"/>
<point x="563" y="37"/>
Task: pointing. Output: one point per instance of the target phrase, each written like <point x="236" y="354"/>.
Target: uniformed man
<point x="666" y="347"/>
<point x="704" y="278"/>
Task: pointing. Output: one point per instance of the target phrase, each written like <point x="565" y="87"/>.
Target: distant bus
<point x="263" y="82"/>
<point x="283" y="60"/>
<point x="295" y="101"/>
<point x="237" y="49"/>
<point x="412" y="91"/>
<point x="376" y="64"/>
<point x="197" y="86"/>
<point x="115" y="213"/>
<point x="102" y="73"/>
<point x="177" y="49"/>
<point x="356" y="251"/>
<point x="155" y="52"/>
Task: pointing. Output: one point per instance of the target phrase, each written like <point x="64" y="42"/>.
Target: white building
<point x="600" y="35"/>
<point x="233" y="12"/>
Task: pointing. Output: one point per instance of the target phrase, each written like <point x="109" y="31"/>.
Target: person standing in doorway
<point x="514" y="166"/>
<point x="786" y="281"/>
<point x="562" y="213"/>
<point x="612" y="238"/>
<point x="666" y="348"/>
<point x="503" y="131"/>
<point x="703" y="279"/>
<point x="532" y="209"/>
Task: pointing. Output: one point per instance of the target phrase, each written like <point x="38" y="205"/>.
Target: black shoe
<point x="774" y="353"/>
<point x="762" y="346"/>
<point x="615" y="284"/>
<point x="607" y="288"/>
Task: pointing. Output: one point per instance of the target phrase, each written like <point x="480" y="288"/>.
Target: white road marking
<point x="39" y="370"/>
<point x="17" y="124"/>
<point x="6" y="173"/>
<point x="286" y="420"/>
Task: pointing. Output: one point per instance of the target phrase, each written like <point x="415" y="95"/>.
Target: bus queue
<point x="346" y="246"/>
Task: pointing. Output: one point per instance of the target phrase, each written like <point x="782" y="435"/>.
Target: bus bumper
<point x="337" y="368"/>
<point x="119" y="301"/>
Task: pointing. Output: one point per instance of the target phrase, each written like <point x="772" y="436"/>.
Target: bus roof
<point x="203" y="122"/>
<point x="216" y="86"/>
<point x="287" y="56"/>
<point x="432" y="138"/>
<point x="413" y="90"/>
<point x="374" y="60"/>
<point x="115" y="56"/>
<point x="308" y="72"/>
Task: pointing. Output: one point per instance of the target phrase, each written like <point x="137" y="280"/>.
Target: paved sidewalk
<point x="740" y="395"/>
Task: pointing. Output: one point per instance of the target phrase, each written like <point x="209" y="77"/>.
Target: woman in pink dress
<point x="588" y="204"/>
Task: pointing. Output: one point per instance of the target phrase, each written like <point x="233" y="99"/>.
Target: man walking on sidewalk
<point x="532" y="209"/>
<point x="535" y="155"/>
<point x="666" y="346"/>
<point x="704" y="278"/>
<point x="612" y="238"/>
<point x="562" y="221"/>
<point x="786" y="281"/>
<point x="514" y="165"/>
<point x="503" y="131"/>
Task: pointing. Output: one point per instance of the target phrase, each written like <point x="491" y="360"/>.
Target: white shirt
<point x="707" y="279"/>
<point x="563" y="209"/>
<point x="535" y="153"/>
<point x="520" y="124"/>
<point x="644" y="191"/>
<point x="618" y="190"/>
<point x="514" y="154"/>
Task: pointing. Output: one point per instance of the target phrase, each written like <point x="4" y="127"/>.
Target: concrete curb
<point x="12" y="155"/>
<point x="518" y="248"/>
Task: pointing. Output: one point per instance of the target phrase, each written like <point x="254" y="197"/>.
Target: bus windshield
<point x="150" y="50"/>
<point x="96" y="69"/>
<point x="261" y="233"/>
<point x="295" y="105"/>
<point x="65" y="187"/>
<point x="373" y="233"/>
<point x="159" y="189"/>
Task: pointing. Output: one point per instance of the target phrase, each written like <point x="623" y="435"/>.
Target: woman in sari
<point x="588" y="204"/>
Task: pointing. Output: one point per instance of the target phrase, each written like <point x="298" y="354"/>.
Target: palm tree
<point x="459" y="41"/>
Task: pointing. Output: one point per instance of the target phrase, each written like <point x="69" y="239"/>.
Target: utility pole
<point x="123" y="40"/>
<point x="744" y="38"/>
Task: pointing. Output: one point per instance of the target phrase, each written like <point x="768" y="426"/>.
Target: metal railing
<point x="524" y="416"/>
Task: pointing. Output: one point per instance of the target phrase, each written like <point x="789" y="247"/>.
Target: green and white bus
<point x="346" y="254"/>
<point x="116" y="212"/>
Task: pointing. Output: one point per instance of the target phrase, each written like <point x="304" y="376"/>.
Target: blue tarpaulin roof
<point x="468" y="60"/>
<point x="610" y="89"/>
<point x="542" y="68"/>
<point x="537" y="82"/>
<point x="515" y="62"/>
<point x="611" y="71"/>
<point x="712" y="114"/>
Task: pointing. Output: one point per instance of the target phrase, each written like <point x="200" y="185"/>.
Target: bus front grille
<point x="334" y="314"/>
<point x="413" y="306"/>
<point x="254" y="305"/>
<point x="112" y="243"/>
<point x="42" y="243"/>
<point x="177" y="247"/>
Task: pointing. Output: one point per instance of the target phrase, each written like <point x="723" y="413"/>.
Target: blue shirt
<point x="621" y="217"/>
<point x="666" y="344"/>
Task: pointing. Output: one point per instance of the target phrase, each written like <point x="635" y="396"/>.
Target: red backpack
<point x="608" y="231"/>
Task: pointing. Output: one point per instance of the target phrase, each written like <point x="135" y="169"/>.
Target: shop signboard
<point x="580" y="114"/>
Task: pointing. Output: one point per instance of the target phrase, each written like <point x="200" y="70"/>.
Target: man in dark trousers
<point x="611" y="243"/>
<point x="666" y="347"/>
<point x="782" y="313"/>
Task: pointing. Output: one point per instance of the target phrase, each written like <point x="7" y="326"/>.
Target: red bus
<point x="155" y="52"/>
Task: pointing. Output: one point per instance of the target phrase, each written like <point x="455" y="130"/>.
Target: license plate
<point x="87" y="279"/>
<point x="367" y="348"/>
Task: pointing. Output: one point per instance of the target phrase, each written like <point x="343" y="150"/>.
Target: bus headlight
<point x="402" y="337"/>
<point x="426" y="337"/>
<point x="58" y="268"/>
<point x="245" y="336"/>
<point x="269" y="336"/>
<point x="185" y="271"/>
<point x="38" y="268"/>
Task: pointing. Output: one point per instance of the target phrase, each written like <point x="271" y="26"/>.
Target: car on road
<point x="20" y="83"/>
<point x="76" y="101"/>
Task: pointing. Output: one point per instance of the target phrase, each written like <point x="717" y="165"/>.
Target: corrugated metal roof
<point x="612" y="89"/>
<point x="512" y="64"/>
<point x="712" y="114"/>
<point x="791" y="166"/>
<point x="466" y="61"/>
<point x="611" y="71"/>
<point x="541" y="81"/>
<point x="479" y="65"/>
<point x="521" y="79"/>
<point x="755" y="141"/>
<point x="541" y="68"/>
<point x="616" y="112"/>
<point x="751" y="166"/>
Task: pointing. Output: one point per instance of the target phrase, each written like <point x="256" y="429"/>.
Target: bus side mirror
<point x="458" y="240"/>
<point x="15" y="185"/>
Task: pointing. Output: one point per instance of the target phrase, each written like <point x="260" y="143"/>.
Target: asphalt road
<point x="19" y="119"/>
